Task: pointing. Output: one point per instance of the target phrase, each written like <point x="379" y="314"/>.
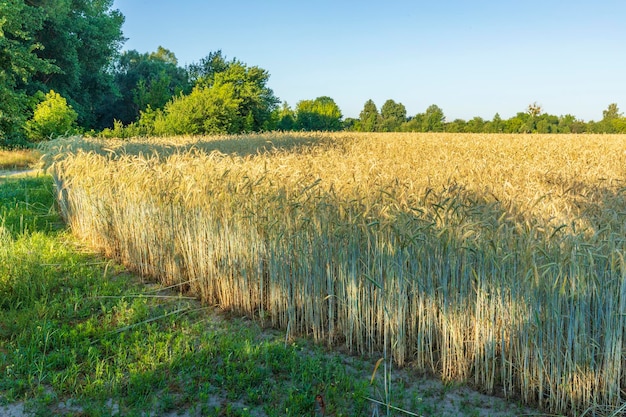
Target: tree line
<point x="62" y="73"/>
<point x="393" y="118"/>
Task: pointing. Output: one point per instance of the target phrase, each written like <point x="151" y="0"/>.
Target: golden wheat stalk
<point x="495" y="258"/>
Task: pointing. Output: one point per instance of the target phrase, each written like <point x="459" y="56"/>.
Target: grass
<point x="82" y="336"/>
<point x="18" y="159"/>
<point x="497" y="260"/>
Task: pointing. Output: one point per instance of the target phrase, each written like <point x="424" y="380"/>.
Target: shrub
<point x="204" y="111"/>
<point x="52" y="117"/>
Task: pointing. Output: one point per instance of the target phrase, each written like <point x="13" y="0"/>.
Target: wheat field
<point x="492" y="259"/>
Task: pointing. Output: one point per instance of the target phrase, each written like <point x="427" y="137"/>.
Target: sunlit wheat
<point x="493" y="259"/>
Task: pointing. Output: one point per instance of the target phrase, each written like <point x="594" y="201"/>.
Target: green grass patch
<point x="79" y="335"/>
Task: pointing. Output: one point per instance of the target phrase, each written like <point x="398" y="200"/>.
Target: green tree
<point x="164" y="55"/>
<point x="529" y="124"/>
<point x="19" y="63"/>
<point x="456" y="126"/>
<point x="496" y="125"/>
<point x="414" y="124"/>
<point x="611" y="113"/>
<point x="81" y="37"/>
<point x="208" y="66"/>
<point x="476" y="125"/>
<point x="321" y="114"/>
<point x="206" y="110"/>
<point x="369" y="118"/>
<point x="52" y="117"/>
<point x="610" y="119"/>
<point x="392" y="116"/>
<point x="569" y="124"/>
<point x="256" y="100"/>
<point x="146" y="80"/>
<point x="433" y="120"/>
<point x="350" y="124"/>
<point x="232" y="100"/>
<point x="619" y="125"/>
<point x="517" y="123"/>
<point x="286" y="118"/>
<point x="547" y="123"/>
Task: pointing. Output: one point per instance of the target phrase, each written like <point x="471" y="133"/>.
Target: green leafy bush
<point x="52" y="117"/>
<point x="204" y="111"/>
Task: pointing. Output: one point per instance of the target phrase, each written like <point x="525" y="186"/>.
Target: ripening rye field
<point x="493" y="259"/>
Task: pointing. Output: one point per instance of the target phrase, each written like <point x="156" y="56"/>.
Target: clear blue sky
<point x="471" y="58"/>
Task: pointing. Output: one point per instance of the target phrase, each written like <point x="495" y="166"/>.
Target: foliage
<point x="477" y="124"/>
<point x="533" y="120"/>
<point x="208" y="67"/>
<point x="369" y="118"/>
<point x="71" y="47"/>
<point x="613" y="120"/>
<point x="321" y="114"/>
<point x="433" y="119"/>
<point x="206" y="110"/>
<point x="256" y="99"/>
<point x="496" y="125"/>
<point x="52" y="117"/>
<point x="233" y="100"/>
<point x="286" y="118"/>
<point x="63" y="45"/>
<point x="392" y="115"/>
<point x="81" y="37"/>
<point x="19" y="63"/>
<point x="146" y="80"/>
<point x="351" y="124"/>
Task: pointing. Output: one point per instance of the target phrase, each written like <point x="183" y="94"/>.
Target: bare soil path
<point x="19" y="172"/>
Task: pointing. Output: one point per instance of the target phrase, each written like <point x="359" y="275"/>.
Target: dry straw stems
<point x="493" y="259"/>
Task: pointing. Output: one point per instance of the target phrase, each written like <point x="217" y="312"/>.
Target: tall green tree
<point x="233" y="100"/>
<point x="496" y="125"/>
<point x="475" y="125"/>
<point x="369" y="118"/>
<point x="146" y="80"/>
<point x="206" y="110"/>
<point x="547" y="123"/>
<point x="207" y="67"/>
<point x="392" y="116"/>
<point x="81" y="37"/>
<point x="257" y="100"/>
<point x="286" y="118"/>
<point x="433" y="120"/>
<point x="321" y="114"/>
<point x="569" y="124"/>
<point x="414" y="124"/>
<point x="611" y="122"/>
<point x="612" y="112"/>
<point x="517" y="123"/>
<point x="19" y="63"/>
<point x="456" y="126"/>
